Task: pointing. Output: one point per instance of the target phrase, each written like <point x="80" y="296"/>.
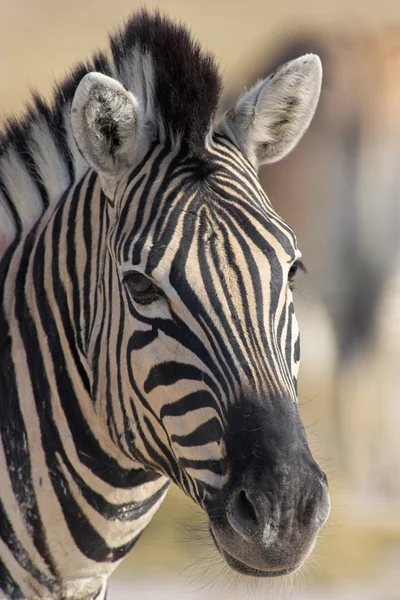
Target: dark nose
<point x="250" y="512"/>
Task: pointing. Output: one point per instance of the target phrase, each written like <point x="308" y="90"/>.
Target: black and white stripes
<point x="140" y="301"/>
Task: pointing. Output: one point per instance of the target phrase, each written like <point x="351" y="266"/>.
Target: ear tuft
<point x="271" y="118"/>
<point x="105" y="123"/>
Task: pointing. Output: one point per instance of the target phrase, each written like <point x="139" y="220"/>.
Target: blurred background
<point x="339" y="190"/>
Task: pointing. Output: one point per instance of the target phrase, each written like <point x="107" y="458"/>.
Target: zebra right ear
<point x="269" y="120"/>
<point x="105" y="126"/>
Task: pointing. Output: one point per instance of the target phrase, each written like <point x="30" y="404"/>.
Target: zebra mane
<point x="178" y="87"/>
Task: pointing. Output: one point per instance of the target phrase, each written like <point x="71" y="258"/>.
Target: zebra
<point x="148" y="332"/>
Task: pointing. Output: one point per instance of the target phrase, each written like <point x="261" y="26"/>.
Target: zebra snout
<point x="250" y="513"/>
<point x="270" y="524"/>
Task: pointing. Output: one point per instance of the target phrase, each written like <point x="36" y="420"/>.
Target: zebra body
<point x="147" y="323"/>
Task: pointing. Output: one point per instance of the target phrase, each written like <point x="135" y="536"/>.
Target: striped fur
<point x="105" y="399"/>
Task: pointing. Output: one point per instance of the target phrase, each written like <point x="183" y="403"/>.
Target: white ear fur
<point x="105" y="124"/>
<point x="269" y="120"/>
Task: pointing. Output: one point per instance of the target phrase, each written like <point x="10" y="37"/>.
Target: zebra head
<point x="195" y="341"/>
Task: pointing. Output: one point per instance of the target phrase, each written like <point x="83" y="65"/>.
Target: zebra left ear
<point x="105" y="124"/>
<point x="269" y="120"/>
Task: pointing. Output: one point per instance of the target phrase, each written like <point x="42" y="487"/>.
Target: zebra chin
<point x="245" y="569"/>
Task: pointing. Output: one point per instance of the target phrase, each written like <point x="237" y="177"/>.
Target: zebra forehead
<point x="224" y="206"/>
<point x="234" y="234"/>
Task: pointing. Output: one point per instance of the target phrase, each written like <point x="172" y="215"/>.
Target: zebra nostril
<point x="246" y="508"/>
<point x="241" y="513"/>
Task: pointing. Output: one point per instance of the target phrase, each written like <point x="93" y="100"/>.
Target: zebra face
<point x="206" y="342"/>
<point x="207" y="274"/>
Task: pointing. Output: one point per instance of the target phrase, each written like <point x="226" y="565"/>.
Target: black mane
<point x="188" y="83"/>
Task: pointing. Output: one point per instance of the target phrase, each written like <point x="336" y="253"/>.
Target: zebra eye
<point x="296" y="266"/>
<point x="141" y="289"/>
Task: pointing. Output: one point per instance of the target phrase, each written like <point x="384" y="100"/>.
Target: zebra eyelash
<point x="301" y="266"/>
<point x="298" y="265"/>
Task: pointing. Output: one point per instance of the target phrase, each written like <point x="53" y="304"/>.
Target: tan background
<point x="358" y="556"/>
<point x="41" y="39"/>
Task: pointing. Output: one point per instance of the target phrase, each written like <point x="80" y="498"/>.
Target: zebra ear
<point x="269" y="120"/>
<point x="105" y="125"/>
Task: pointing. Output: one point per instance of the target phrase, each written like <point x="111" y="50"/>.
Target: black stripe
<point x="140" y="339"/>
<point x="169" y="372"/>
<point x="215" y="466"/>
<point x="7" y="585"/>
<point x="289" y="341"/>
<point x="8" y="535"/>
<point x="85" y="285"/>
<point x="296" y="354"/>
<point x="108" y="300"/>
<point x="210" y="431"/>
<point x="192" y="401"/>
